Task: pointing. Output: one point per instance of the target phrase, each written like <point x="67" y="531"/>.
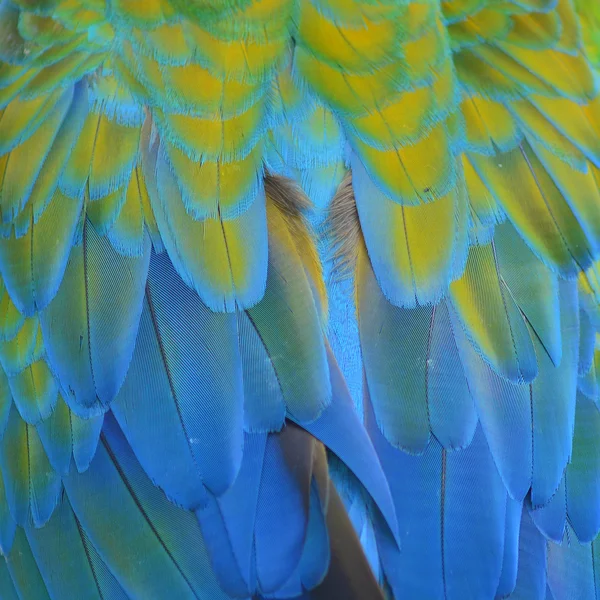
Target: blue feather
<point x="572" y="569"/>
<point x="153" y="548"/>
<point x="85" y="434"/>
<point x="44" y="482"/>
<point x="451" y="510"/>
<point x="15" y="466"/>
<point x="553" y="395"/>
<point x="474" y="520"/>
<point x="187" y="369"/>
<point x="55" y="434"/>
<point x="552" y="518"/>
<point x="321" y="183"/>
<point x="264" y="403"/>
<point x="91" y="325"/>
<point x="23" y="570"/>
<point x="587" y="343"/>
<point x="510" y="562"/>
<point x="31" y="484"/>
<point x="504" y="410"/>
<point x="7" y="589"/>
<point x="228" y="523"/>
<point x="5" y="402"/>
<point x="397" y="379"/>
<point x="105" y="580"/>
<point x="283" y="506"/>
<point x="65" y="436"/>
<point x="316" y="554"/>
<point x="7" y="523"/>
<point x="531" y="576"/>
<point x="451" y="409"/>
<point x="583" y="472"/>
<point x="61" y="557"/>
<point x="341" y="431"/>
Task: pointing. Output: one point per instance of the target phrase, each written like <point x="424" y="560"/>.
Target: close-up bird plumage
<point x="300" y="299"/>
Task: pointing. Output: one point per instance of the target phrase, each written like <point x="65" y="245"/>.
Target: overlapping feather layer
<point x="163" y="312"/>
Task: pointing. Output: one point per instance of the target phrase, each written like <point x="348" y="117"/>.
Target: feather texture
<point x="182" y="391"/>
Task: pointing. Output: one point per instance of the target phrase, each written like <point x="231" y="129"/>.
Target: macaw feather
<point x="62" y="547"/>
<point x="583" y="473"/>
<point x="25" y="161"/>
<point x="18" y="353"/>
<point x="177" y="367"/>
<point x="219" y="268"/>
<point x="248" y="512"/>
<point x="436" y="490"/>
<point x="176" y="556"/>
<point x="91" y="325"/>
<point x="548" y="221"/>
<point x="23" y="569"/>
<point x="531" y="575"/>
<point x="572" y="568"/>
<point x="410" y="267"/>
<point x="32" y="486"/>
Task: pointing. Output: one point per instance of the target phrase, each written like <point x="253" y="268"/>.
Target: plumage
<point x="75" y="325"/>
<point x="299" y="299"/>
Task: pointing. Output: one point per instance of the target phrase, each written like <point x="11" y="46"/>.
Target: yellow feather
<point x="215" y="187"/>
<point x="415" y="173"/>
<point x="146" y="12"/>
<point x="572" y="120"/>
<point x="103" y="212"/>
<point x="570" y="39"/>
<point x="22" y="117"/>
<point x="356" y="50"/>
<point x="489" y="122"/>
<point x="490" y="314"/>
<point x="424" y="55"/>
<point x="127" y="232"/>
<point x="78" y="166"/>
<point x="196" y="89"/>
<point x="544" y="220"/>
<point x="212" y="138"/>
<point x="482" y="202"/>
<point x="352" y="94"/>
<point x="25" y="162"/>
<point x="166" y="42"/>
<point x="10" y="318"/>
<point x="17" y="353"/>
<point x="569" y="75"/>
<point x="115" y="149"/>
<point x="243" y="60"/>
<point x="580" y="192"/>
<point x="544" y="131"/>
<point x="147" y="212"/>
<point x="410" y="116"/>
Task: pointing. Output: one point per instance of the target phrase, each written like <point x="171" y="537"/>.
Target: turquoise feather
<point x="24" y="571"/>
<point x="91" y="325"/>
